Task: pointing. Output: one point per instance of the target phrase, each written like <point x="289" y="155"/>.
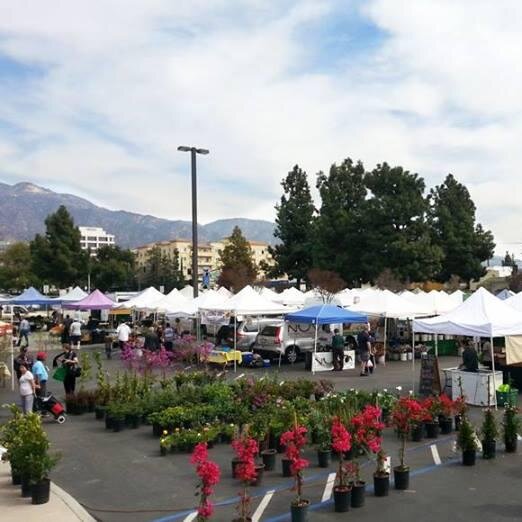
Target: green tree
<point x="162" y="270"/>
<point x="465" y="244"/>
<point x="293" y="254"/>
<point x="57" y="257"/>
<point x="397" y="228"/>
<point x="339" y="230"/>
<point x="238" y="268"/>
<point x="113" y="268"/>
<point x="15" y="268"/>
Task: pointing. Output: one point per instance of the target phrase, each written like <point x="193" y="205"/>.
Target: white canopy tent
<point x="74" y="295"/>
<point x="384" y="303"/>
<point x="481" y="315"/>
<point x="247" y="302"/>
<point x="434" y="302"/>
<point x="291" y="297"/>
<point x="146" y="300"/>
<point x="515" y="302"/>
<point x="269" y="294"/>
<point x="224" y="292"/>
<point x="187" y="291"/>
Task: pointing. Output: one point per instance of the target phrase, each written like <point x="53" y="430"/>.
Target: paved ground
<point x="121" y="477"/>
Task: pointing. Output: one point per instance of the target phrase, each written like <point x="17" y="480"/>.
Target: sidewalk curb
<point x="78" y="510"/>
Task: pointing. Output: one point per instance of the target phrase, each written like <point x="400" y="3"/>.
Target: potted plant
<point x="366" y="428"/>
<point x="322" y="389"/>
<point x="294" y="441"/>
<point x="459" y="410"/>
<point x="510" y="428"/>
<point x="341" y="443"/>
<point x="406" y="413"/>
<point x="381" y="477"/>
<point x="445" y="416"/>
<point x="209" y="475"/>
<point x="11" y="440"/>
<point x="246" y="449"/>
<point x="467" y="442"/>
<point x="324" y="443"/>
<point x="431" y="422"/>
<point x="489" y="432"/>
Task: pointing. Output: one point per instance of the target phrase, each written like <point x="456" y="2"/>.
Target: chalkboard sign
<point x="429" y="376"/>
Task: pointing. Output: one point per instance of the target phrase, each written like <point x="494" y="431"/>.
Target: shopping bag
<point x="59" y="374"/>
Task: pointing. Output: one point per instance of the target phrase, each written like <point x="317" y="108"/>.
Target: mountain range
<point x="24" y="207"/>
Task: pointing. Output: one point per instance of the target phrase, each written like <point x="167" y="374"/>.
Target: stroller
<point x="52" y="405"/>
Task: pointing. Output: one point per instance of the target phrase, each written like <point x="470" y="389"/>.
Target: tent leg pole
<point x="385" y="336"/>
<point x="413" y="360"/>
<point x="315" y="348"/>
<point x="493" y="369"/>
<point x="235" y="345"/>
<point x="436" y="345"/>
<point x="12" y="351"/>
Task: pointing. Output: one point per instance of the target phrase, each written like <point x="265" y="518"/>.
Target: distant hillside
<point x="25" y="206"/>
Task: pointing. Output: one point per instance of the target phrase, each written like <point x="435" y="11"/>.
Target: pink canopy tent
<point x="94" y="301"/>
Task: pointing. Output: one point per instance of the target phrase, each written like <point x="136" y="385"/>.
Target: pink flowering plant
<point x="366" y="428"/>
<point x="294" y="441"/>
<point x="341" y="443"/>
<point x="246" y="449"/>
<point x="209" y="475"/>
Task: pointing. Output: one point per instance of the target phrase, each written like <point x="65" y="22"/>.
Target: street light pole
<point x="193" y="151"/>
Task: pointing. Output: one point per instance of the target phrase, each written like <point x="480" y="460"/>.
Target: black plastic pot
<point x="299" y="512"/>
<point x="417" y="433"/>
<point x="511" y="445"/>
<point x="458" y="420"/>
<point x="16" y="478"/>
<point x="117" y="424"/>
<point x="401" y="477"/>
<point x="348" y="455"/>
<point x="324" y="457"/>
<point x="260" y="469"/>
<point x="132" y="421"/>
<point x="41" y="491"/>
<point x="432" y="430"/>
<point x="269" y="459"/>
<point x="381" y="485"/>
<point x="469" y="457"/>
<point x="286" y="465"/>
<point x="446" y="425"/>
<point x="163" y="450"/>
<point x="235" y="464"/>
<point x="156" y="430"/>
<point x="99" y="412"/>
<point x="358" y="494"/>
<point x="489" y="449"/>
<point x="108" y="422"/>
<point x="342" y="498"/>
<point x="27" y="488"/>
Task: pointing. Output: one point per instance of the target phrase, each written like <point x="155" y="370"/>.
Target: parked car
<point x="283" y="339"/>
<point x="247" y="332"/>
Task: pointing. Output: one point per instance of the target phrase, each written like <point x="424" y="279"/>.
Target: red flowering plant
<point x="246" y="449"/>
<point x="446" y="406"/>
<point x="341" y="443"/>
<point x="209" y="475"/>
<point x="459" y="406"/>
<point x="407" y="412"/>
<point x="366" y="428"/>
<point x="294" y="441"/>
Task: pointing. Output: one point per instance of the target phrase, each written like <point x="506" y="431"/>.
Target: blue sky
<point x="96" y="96"/>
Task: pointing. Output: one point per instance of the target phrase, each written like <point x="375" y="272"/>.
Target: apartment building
<point x="208" y="254"/>
<point x="94" y="237"/>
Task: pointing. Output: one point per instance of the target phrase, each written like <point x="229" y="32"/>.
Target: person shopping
<point x="338" y="351"/>
<point x="40" y="374"/>
<point x="69" y="360"/>
<point x="27" y="389"/>
<point x="364" y="348"/>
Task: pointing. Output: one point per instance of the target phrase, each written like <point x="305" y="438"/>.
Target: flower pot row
<point x="38" y="492"/>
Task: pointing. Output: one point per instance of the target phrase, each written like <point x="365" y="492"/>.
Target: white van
<point x="289" y="340"/>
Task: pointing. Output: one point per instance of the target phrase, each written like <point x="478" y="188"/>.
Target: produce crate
<point x="510" y="397"/>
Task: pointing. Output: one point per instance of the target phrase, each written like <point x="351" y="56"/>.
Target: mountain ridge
<point x="25" y="206"/>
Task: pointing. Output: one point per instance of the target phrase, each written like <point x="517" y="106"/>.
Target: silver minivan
<point x="248" y="330"/>
<point x="283" y="339"/>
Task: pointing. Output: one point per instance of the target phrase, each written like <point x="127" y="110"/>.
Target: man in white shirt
<point x="75" y="332"/>
<point x="123" y="331"/>
<point x="24" y="330"/>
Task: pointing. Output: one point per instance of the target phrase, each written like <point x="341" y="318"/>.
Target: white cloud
<point x="125" y="82"/>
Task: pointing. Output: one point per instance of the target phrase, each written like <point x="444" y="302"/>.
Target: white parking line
<point x="191" y="517"/>
<point x="262" y="506"/>
<point x="239" y="377"/>
<point x="435" y="453"/>
<point x="327" y="493"/>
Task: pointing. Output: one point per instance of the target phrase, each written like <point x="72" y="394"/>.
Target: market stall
<point x="481" y="315"/>
<point x="326" y="314"/>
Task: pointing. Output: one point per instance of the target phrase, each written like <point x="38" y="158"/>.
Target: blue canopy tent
<point x="31" y="297"/>
<point x="325" y="314"/>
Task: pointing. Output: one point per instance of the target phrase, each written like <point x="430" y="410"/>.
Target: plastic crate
<point x="510" y="397"/>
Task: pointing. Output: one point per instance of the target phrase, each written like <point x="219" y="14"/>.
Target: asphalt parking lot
<point x="121" y="476"/>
